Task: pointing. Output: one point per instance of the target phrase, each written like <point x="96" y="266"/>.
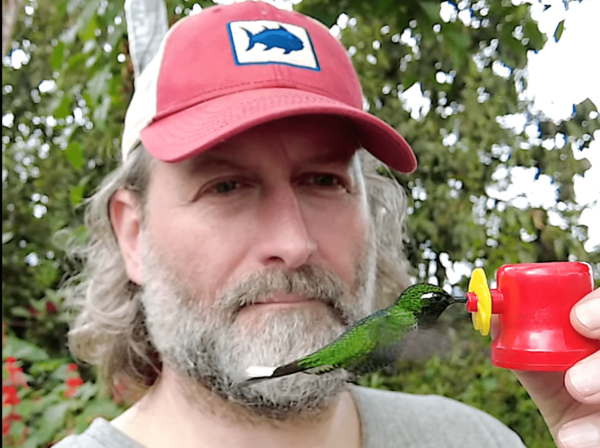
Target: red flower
<point x="74" y="382"/>
<point x="73" y="385"/>
<point x="51" y="308"/>
<point x="7" y="421"/>
<point x="72" y="367"/>
<point x="10" y="396"/>
<point x="16" y="373"/>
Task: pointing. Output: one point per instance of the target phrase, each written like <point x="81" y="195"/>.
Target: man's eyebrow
<point x="206" y="162"/>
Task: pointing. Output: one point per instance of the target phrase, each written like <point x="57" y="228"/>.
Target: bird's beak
<point x="460" y="299"/>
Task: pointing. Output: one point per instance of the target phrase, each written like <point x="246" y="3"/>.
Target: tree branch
<point x="10" y="10"/>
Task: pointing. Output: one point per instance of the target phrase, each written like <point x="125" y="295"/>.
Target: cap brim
<point x="197" y="129"/>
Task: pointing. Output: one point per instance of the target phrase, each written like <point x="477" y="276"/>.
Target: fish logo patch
<point x="270" y="42"/>
<point x="279" y="38"/>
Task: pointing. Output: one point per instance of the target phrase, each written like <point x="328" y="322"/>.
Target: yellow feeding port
<point x="482" y="318"/>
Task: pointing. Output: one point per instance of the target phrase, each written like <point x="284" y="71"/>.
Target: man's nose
<point x="284" y="234"/>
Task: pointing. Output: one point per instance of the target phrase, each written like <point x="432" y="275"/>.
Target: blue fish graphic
<point x="275" y="38"/>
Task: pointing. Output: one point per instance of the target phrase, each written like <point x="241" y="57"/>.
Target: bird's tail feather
<point x="259" y="374"/>
<point x="288" y="369"/>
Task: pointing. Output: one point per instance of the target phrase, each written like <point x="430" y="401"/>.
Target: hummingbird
<point x="373" y="342"/>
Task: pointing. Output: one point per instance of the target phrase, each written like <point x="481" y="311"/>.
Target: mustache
<point x="308" y="282"/>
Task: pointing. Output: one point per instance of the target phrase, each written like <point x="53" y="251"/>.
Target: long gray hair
<point x="110" y="332"/>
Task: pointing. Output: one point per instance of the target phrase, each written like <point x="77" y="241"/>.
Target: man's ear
<point x="125" y="216"/>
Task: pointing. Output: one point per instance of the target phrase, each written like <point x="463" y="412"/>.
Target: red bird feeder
<point x="533" y="302"/>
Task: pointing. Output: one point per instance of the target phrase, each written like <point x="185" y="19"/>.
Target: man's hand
<point x="570" y="403"/>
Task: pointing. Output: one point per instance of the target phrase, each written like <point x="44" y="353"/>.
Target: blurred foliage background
<point x="66" y="82"/>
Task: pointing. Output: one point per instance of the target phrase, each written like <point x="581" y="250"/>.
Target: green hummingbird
<point x="373" y="342"/>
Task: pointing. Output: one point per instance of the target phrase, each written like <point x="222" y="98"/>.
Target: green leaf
<point x="19" y="311"/>
<point x="7" y="237"/>
<point x="27" y="408"/>
<point x="47" y="366"/>
<point x="16" y="429"/>
<point x="38" y="305"/>
<point x="408" y="80"/>
<point x="73" y="5"/>
<point x="458" y="60"/>
<point x="97" y="85"/>
<point x="536" y="38"/>
<point x="87" y="391"/>
<point x="23" y="350"/>
<point x="69" y="34"/>
<point x="115" y="37"/>
<point x="101" y="112"/>
<point x="432" y="9"/>
<point x="88" y="32"/>
<point x="459" y="39"/>
<point x="64" y="108"/>
<point x="34" y="441"/>
<point x="57" y="57"/>
<point x="97" y="408"/>
<point x="459" y="47"/>
<point x="54" y="416"/>
<point x="559" y="30"/>
<point x="74" y="153"/>
<point x="77" y="61"/>
<point x="76" y="195"/>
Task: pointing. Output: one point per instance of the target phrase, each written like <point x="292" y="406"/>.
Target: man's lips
<point x="284" y="299"/>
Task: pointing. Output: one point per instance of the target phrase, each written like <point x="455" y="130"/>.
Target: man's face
<point x="257" y="253"/>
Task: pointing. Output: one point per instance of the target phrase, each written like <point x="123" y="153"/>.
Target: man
<point x="247" y="227"/>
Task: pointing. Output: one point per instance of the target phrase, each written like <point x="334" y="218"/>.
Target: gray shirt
<point x="388" y="420"/>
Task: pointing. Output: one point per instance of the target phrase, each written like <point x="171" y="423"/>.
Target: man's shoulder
<point x="398" y="419"/>
<point x="100" y="434"/>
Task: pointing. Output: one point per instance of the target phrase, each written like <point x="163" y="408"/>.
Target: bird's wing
<point x="389" y="336"/>
<point x="392" y="332"/>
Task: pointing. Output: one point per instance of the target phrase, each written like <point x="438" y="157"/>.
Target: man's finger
<point x="581" y="433"/>
<point x="583" y="380"/>
<point x="585" y="316"/>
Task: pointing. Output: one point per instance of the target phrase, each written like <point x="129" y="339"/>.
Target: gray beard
<point x="205" y="345"/>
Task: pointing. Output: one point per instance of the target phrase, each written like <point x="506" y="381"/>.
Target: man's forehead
<point x="319" y="140"/>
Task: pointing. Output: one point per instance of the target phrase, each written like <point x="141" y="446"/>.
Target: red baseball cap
<point x="230" y="68"/>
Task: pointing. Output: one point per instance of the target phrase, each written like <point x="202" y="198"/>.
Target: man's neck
<point x="165" y="417"/>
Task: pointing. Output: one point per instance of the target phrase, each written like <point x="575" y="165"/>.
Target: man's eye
<point x="325" y="180"/>
<point x="226" y="187"/>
